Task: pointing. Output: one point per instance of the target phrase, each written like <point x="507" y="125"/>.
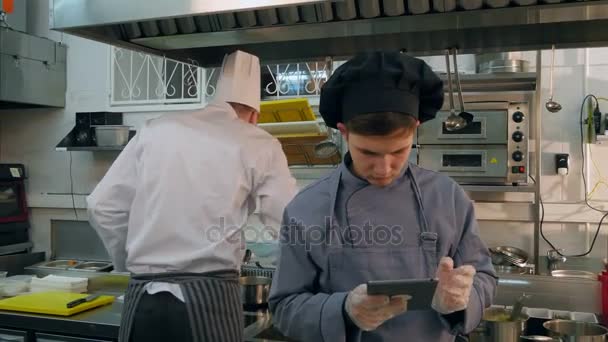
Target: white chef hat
<point x="239" y="80"/>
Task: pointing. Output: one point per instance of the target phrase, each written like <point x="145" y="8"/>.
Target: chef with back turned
<point x="172" y="208"/>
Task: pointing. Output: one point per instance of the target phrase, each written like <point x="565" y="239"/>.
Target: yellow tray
<point x="286" y="111"/>
<point x="52" y="303"/>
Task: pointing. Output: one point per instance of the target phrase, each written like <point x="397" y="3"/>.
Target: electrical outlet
<point x="562" y="161"/>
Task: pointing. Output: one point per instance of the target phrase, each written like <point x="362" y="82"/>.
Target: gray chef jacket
<point x="341" y="231"/>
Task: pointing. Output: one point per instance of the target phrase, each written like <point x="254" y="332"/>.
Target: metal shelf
<point x="89" y="148"/>
<point x="500" y="188"/>
<point x="20" y="247"/>
<point x="521" y="81"/>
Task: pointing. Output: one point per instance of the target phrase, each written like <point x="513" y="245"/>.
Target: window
<point x="143" y="79"/>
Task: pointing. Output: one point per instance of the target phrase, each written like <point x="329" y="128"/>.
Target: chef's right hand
<point x="368" y="312"/>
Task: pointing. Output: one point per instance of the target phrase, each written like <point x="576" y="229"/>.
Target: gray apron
<point x="416" y="258"/>
<point x="213" y="304"/>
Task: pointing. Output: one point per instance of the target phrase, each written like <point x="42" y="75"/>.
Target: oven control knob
<point x="517" y="136"/>
<point x="518" y="117"/>
<point x="517" y="156"/>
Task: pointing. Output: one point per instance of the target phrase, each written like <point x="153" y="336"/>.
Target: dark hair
<point x="381" y="123"/>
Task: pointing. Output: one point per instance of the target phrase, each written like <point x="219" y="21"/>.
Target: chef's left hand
<point x="454" y="287"/>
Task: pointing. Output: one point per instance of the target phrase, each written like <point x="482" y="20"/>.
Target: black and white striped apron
<point x="213" y="304"/>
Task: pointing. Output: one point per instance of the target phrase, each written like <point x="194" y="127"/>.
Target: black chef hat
<point x="376" y="82"/>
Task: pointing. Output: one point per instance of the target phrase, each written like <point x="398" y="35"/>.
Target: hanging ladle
<point x="455" y="122"/>
<point x="551" y="105"/>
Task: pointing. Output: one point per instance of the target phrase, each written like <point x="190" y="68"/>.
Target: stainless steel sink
<point x="76" y="265"/>
<point x="92" y="266"/>
<point x="59" y="264"/>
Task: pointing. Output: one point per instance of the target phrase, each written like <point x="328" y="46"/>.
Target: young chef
<point x="376" y="217"/>
<point x="171" y="208"/>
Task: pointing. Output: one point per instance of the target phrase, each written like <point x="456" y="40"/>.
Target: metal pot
<point x="255" y="290"/>
<point x="496" y="327"/>
<point x="502" y="62"/>
<point x="112" y="135"/>
<point x="573" y="331"/>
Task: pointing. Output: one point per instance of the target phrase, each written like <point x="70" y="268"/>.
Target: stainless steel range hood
<point x="32" y="71"/>
<point x="283" y="30"/>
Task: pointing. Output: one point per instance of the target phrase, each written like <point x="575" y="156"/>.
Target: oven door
<point x="468" y="164"/>
<point x="488" y="127"/>
<point x="13" y="207"/>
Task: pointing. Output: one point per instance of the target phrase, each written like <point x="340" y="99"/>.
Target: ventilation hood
<point x="285" y="30"/>
<point x="32" y="71"/>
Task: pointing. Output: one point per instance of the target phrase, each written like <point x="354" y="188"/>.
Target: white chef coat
<point x="177" y="197"/>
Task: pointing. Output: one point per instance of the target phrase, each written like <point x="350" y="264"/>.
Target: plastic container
<point x="586" y="317"/>
<point x="59" y="283"/>
<point x="10" y="288"/>
<point x="22" y="277"/>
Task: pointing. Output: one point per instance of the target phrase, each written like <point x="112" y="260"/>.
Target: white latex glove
<point x="368" y="312"/>
<point x="454" y="287"/>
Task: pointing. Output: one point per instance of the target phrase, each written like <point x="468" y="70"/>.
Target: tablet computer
<point x="421" y="291"/>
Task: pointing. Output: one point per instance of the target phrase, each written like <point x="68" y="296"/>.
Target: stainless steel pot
<point x="573" y="331"/>
<point x="502" y="62"/>
<point x="496" y="327"/>
<point x="112" y="135"/>
<point x="255" y="290"/>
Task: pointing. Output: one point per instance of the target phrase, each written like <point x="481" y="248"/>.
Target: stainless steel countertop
<point x="104" y="322"/>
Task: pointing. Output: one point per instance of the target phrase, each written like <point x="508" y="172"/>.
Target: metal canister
<point x="496" y="326"/>
<point x="255" y="290"/>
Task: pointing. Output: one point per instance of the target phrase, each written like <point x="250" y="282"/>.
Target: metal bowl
<point x="509" y="256"/>
<point x="576" y="331"/>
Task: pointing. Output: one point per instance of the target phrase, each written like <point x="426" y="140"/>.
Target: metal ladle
<point x="455" y="122"/>
<point x="551" y="105"/>
<point x="468" y="117"/>
<point x="518" y="307"/>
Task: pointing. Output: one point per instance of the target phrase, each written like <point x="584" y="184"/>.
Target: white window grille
<point x="295" y="80"/>
<point x="143" y="79"/>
